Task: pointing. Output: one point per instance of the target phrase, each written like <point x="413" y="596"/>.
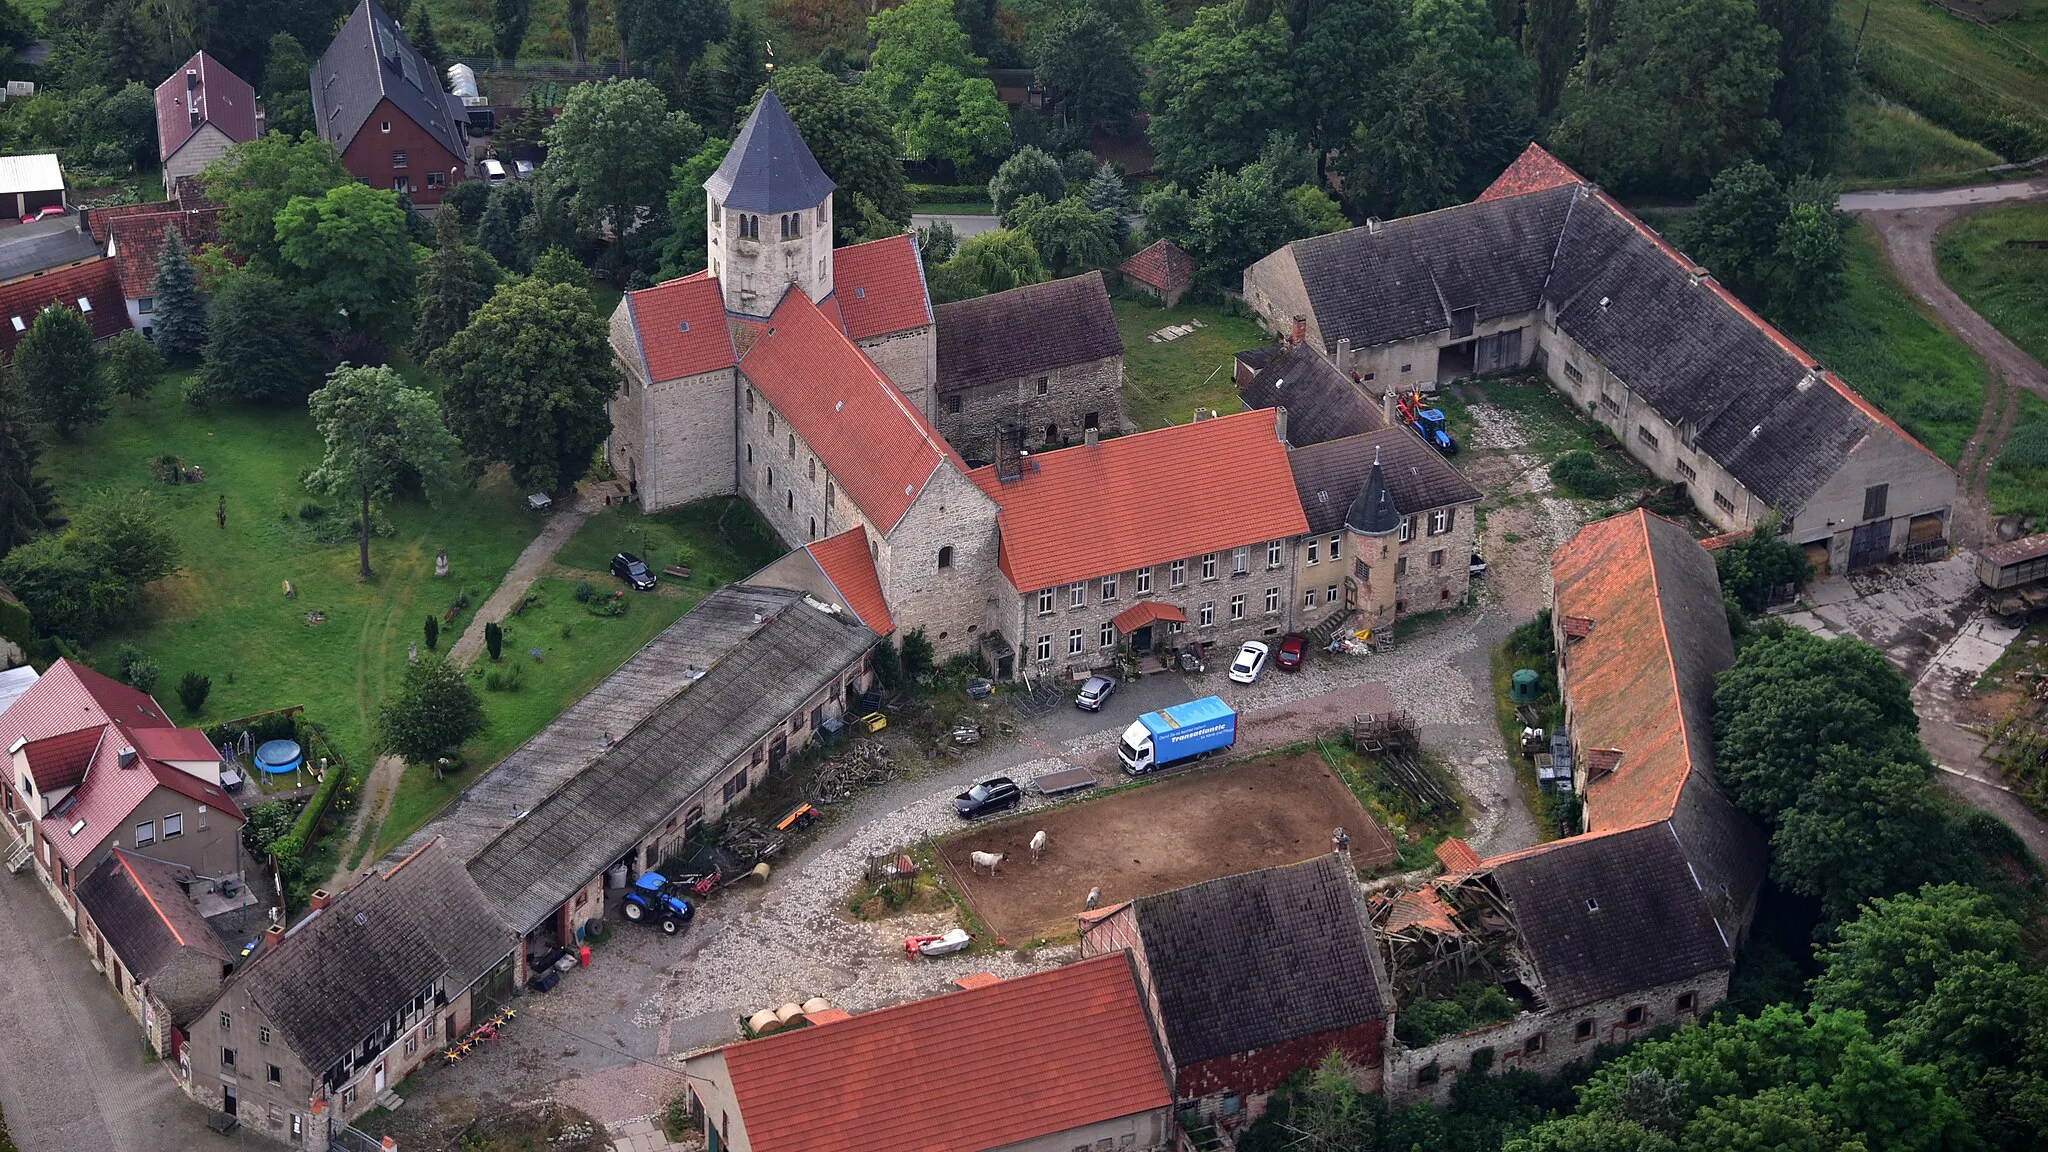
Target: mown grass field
<point x="1165" y="382"/>
<point x="2017" y="488"/>
<point x="1892" y="350"/>
<point x="2007" y="286"/>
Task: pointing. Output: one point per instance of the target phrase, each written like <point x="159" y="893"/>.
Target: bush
<point x="494" y="639"/>
<point x="584" y="593"/>
<point x="510" y="678"/>
<point x="917" y="654"/>
<point x="613" y="605"/>
<point x="310" y="512"/>
<point x="433" y="633"/>
<point x="947" y="193"/>
<point x="192" y="690"/>
<point x="265" y="823"/>
<point x="136" y="670"/>
<point x="1469" y="1007"/>
<point x="1577" y="473"/>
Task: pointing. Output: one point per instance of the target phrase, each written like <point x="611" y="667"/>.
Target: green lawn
<point x="2014" y="489"/>
<point x="1165" y="382"/>
<point x="2007" y="286"/>
<point x="1892" y="350"/>
<point x="1888" y="144"/>
<point x="721" y="540"/>
<point x="1966" y="61"/>
<point x="225" y="614"/>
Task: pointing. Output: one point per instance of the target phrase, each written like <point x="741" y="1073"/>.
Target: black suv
<point x="633" y="570"/>
<point x="991" y="795"/>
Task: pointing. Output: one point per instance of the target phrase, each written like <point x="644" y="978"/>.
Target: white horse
<point x="1037" y="845"/>
<point x="987" y="860"/>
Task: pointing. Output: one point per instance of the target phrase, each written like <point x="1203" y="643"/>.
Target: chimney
<point x="1374" y="226"/>
<point x="1299" y="332"/>
<point x="1090" y="436"/>
<point x="125" y="758"/>
<point x="1387" y="405"/>
<point x="1280" y="423"/>
<point x="191" y="79"/>
<point x="1202" y="414"/>
<point x="1344" y="355"/>
<point x="319" y="899"/>
<point x="273" y="936"/>
<point x="1009" y="452"/>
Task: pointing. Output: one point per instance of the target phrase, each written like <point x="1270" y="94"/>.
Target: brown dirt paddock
<point x="1179" y="831"/>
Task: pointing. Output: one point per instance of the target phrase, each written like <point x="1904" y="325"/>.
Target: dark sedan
<point x="991" y="795"/>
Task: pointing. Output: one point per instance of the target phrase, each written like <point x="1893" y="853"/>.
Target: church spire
<point x="1373" y="513"/>
<point x="769" y="168"/>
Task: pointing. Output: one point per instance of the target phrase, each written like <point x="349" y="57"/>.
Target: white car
<point x="1251" y="660"/>
<point x="494" y="172"/>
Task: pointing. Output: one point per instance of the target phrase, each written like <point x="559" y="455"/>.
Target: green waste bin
<point x="1522" y="686"/>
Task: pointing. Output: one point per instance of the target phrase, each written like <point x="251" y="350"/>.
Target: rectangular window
<point x="1077" y="595"/>
<point x="1209" y="566"/>
<point x="1634" y="1015"/>
<point x="1646" y="436"/>
<point x="398" y="157"/>
<point x="412" y="1045"/>
<point x="1142" y="582"/>
<point x="1330" y="594"/>
<point x="1109" y="587"/>
<point x="1272" y="600"/>
<point x="1043" y="386"/>
<point x="1272" y="553"/>
<point x="263" y="1035"/>
<point x="1874" y="500"/>
<point x="1308" y="598"/>
<point x="146" y="305"/>
<point x="1044" y="600"/>
<point x="1400" y="567"/>
<point x="735" y="786"/>
<point x="1314" y="550"/>
<point x="1686" y="471"/>
<point x="1408" y="524"/>
<point x="1073" y="641"/>
<point x="1439" y="521"/>
<point x="1609" y="403"/>
<point x="1425" y="1075"/>
<point x="1240" y="561"/>
<point x="1686" y="1000"/>
<point x="1436" y="558"/>
<point x="1533" y="1045"/>
<point x="174" y="825"/>
<point x="348" y="1097"/>
<point x="145" y="834"/>
<point x="1572" y="373"/>
<point x="275" y="1075"/>
<point x="1723" y="503"/>
<point x="1045" y="648"/>
<point x="1208" y="613"/>
<point x="225" y="1020"/>
<point x="1336" y="547"/>
<point x="1108" y="634"/>
<point x="1177" y="573"/>
<point x="227" y="1057"/>
<point x="1237" y="607"/>
<point x="1583" y="1030"/>
<point x="952" y="406"/>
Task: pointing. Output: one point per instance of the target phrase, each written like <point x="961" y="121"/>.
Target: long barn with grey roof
<point x="1544" y="269"/>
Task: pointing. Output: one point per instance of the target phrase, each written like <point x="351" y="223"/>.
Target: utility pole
<point x="1856" y="57"/>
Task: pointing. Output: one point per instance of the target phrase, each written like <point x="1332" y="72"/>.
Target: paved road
<point x="963" y="225"/>
<point x="72" y="1077"/>
<point x="1972" y="196"/>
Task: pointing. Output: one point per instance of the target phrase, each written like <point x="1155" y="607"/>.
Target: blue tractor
<point x="653" y="898"/>
<point x="1430" y="425"/>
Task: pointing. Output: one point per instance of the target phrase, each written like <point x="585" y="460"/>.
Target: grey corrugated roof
<point x="1321" y="404"/>
<point x="370" y="59"/>
<point x="1245" y="961"/>
<point x="769" y="168"/>
<point x="1598" y="916"/>
<point x="1405" y="280"/>
<point x="1026" y="331"/>
<point x="599" y="814"/>
<point x="342" y="971"/>
<point x="1327" y="476"/>
<point x="26" y="249"/>
<point x="575" y="739"/>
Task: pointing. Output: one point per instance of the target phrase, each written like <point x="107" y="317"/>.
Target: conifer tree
<point x="179" y="322"/>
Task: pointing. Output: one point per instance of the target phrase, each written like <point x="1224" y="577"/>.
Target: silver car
<point x="1094" y="692"/>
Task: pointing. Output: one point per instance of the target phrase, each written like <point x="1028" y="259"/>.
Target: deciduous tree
<point x="1810" y="101"/>
<point x="1086" y="63"/>
<point x="910" y="40"/>
<point x="529" y="382"/>
<point x="1068" y="235"/>
<point x="684" y="251"/>
<point x="252" y="182"/>
<point x="618" y="142"/>
<point x="349" y="258"/>
<point x="1215" y="92"/>
<point x="434" y="712"/>
<point x="956" y="117"/>
<point x="134" y="366"/>
<point x="848" y="130"/>
<point x="1028" y="172"/>
<point x="380" y="432"/>
<point x="1780" y="249"/>
<point x="994" y="261"/>
<point x="60" y="370"/>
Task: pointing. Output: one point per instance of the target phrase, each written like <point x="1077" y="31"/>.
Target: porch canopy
<point x="1147" y="612"/>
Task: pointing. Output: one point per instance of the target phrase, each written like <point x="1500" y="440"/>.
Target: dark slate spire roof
<point x="770" y="168"/>
<point x="1373" y="513"/>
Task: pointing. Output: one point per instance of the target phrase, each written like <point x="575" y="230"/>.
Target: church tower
<point x="1372" y="523"/>
<point x="769" y="215"/>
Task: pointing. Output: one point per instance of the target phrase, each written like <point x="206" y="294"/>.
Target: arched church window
<point x="750" y="401"/>
<point x="821" y="215"/>
<point x="946" y="556"/>
<point x="792" y="445"/>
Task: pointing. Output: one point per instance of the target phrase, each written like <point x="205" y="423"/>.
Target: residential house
<point x="1546" y="269"/>
<point x="1182" y="537"/>
<point x="31" y="183"/>
<point x="1634" y="923"/>
<point x="1043" y="363"/>
<point x="1049" y="1062"/>
<point x="91" y="288"/>
<point x="686" y="728"/>
<point x="96" y="766"/>
<point x="1160" y="269"/>
<point x="332" y="1012"/>
<point x="1254" y="977"/>
<point x="382" y="106"/>
<point x="132" y="235"/>
<point x="149" y="938"/>
<point x="47" y="245"/>
<point x="201" y="110"/>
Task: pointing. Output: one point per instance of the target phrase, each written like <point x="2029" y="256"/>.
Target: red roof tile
<point x="879" y="287"/>
<point x="95" y="281"/>
<point x="995" y="1066"/>
<point x="681" y="328"/>
<point x="174" y="744"/>
<point x="847" y="563"/>
<point x="973" y="980"/>
<point x="111" y="794"/>
<point x="1422" y="908"/>
<point x="224" y="100"/>
<point x="1533" y="171"/>
<point x="1126" y="490"/>
<point x="1162" y="265"/>
<point x="59" y="761"/>
<point x="1457" y="856"/>
<point x="1147" y="612"/>
<point x="71" y="698"/>
<point x="879" y="447"/>
<point x="139" y="240"/>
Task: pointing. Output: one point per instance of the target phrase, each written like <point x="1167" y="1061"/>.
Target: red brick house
<point x="381" y="105"/>
<point x="1253" y="977"/>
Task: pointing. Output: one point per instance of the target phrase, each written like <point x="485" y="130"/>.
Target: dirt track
<point x="1173" y="833"/>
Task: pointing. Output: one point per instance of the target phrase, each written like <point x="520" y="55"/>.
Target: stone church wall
<point x="789" y="485"/>
<point x="950" y="603"/>
<point x="909" y="360"/>
<point x="969" y="418"/>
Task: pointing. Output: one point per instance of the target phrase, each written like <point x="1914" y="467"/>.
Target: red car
<point x="1293" y="649"/>
<point x="43" y="213"/>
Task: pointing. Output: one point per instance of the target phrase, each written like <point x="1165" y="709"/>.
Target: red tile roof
<point x="1014" y="1061"/>
<point x="96" y="281"/>
<point x="879" y="287"/>
<point x="59" y="761"/>
<point x="1457" y="856"/>
<point x="1533" y="171"/>
<point x="879" y="448"/>
<point x="139" y="240"/>
<point x="681" y="328"/>
<point x="847" y="563"/>
<point x="1162" y="265"/>
<point x="111" y="794"/>
<point x="1132" y="493"/>
<point x="174" y="744"/>
<point x="71" y="698"/>
<point x="1147" y="612"/>
<point x="224" y="100"/>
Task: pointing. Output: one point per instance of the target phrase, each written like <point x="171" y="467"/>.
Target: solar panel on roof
<point x="411" y="70"/>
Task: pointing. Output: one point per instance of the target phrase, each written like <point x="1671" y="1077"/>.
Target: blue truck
<point x="1179" y="733"/>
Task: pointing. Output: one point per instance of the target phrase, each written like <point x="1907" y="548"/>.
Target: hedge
<point x="947" y="193"/>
